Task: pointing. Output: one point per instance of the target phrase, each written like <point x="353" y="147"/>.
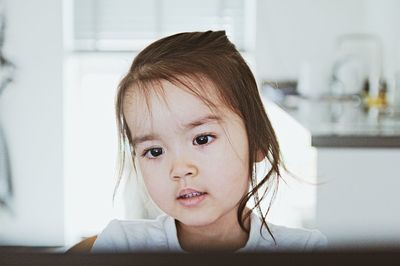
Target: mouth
<point x="191" y="197"/>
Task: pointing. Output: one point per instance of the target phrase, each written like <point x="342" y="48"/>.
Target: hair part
<point x="190" y="59"/>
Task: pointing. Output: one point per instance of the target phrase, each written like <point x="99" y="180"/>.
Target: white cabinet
<point x="356" y="201"/>
<point x="359" y="202"/>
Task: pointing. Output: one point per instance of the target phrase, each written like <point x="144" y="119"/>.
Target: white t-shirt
<point x="160" y="235"/>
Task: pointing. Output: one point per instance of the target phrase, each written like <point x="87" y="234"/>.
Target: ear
<point x="260" y="156"/>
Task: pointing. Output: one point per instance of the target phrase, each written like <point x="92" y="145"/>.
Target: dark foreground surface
<point x="382" y="257"/>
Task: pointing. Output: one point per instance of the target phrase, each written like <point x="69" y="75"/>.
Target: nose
<point x="182" y="168"/>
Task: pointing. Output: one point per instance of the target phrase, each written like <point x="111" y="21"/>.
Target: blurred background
<point x="329" y="73"/>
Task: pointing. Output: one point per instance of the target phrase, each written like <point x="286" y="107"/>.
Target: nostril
<point x="184" y="175"/>
<point x="181" y="170"/>
<point x="190" y="173"/>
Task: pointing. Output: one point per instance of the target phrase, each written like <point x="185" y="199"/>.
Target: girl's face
<point x="194" y="163"/>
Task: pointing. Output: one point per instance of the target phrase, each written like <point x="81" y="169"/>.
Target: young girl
<point x="190" y="110"/>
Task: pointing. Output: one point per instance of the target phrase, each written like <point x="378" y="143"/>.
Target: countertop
<point x="344" y="123"/>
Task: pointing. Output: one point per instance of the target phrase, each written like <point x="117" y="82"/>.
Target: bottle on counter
<point x="375" y="101"/>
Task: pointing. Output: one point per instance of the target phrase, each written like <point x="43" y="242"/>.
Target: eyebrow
<point x="193" y="124"/>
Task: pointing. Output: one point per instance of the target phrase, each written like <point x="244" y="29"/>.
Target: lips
<point x="191" y="197"/>
<point x="189" y="193"/>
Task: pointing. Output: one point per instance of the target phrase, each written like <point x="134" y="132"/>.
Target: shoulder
<point x="132" y="235"/>
<point x="297" y="238"/>
<point x="283" y="238"/>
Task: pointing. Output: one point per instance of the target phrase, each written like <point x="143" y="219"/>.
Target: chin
<point x="196" y="220"/>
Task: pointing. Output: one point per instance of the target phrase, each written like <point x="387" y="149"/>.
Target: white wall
<point x="90" y="142"/>
<point x="291" y="33"/>
<point x="31" y="114"/>
<point x="384" y="22"/>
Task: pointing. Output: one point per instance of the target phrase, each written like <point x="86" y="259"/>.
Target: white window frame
<point x="105" y="46"/>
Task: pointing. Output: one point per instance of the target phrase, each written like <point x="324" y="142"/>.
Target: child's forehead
<point x="142" y="106"/>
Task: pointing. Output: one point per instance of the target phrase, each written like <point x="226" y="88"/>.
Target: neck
<point x="224" y="234"/>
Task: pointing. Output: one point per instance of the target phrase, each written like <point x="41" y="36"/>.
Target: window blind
<point x="101" y="25"/>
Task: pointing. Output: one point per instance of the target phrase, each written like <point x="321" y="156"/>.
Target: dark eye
<point x="152" y="153"/>
<point x="203" y="139"/>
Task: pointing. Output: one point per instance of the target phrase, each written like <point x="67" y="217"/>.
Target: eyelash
<point x="201" y="135"/>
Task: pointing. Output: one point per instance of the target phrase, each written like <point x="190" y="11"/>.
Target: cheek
<point x="228" y="169"/>
<point x="235" y="155"/>
<point x="153" y="187"/>
<point x="238" y="162"/>
<point x="156" y="183"/>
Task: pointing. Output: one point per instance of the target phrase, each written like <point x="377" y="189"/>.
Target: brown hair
<point x="192" y="57"/>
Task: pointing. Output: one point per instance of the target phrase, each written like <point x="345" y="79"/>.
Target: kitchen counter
<point x="334" y="123"/>
<point x="354" y="157"/>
